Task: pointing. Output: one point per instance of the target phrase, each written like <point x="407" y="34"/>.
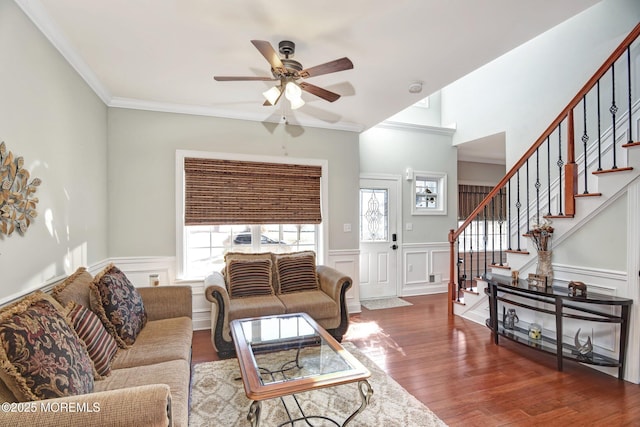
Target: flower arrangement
<point x="541" y="235"/>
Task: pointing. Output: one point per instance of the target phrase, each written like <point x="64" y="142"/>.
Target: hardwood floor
<point x="453" y="367"/>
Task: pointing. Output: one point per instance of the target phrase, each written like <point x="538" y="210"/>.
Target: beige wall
<point x="49" y="116"/>
<point x="391" y="151"/>
<point x="474" y="173"/>
<point x="142" y="147"/>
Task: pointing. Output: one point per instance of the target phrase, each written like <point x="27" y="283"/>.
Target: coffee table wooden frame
<point x="257" y="391"/>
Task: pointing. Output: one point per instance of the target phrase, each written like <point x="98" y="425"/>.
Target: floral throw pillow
<point x="41" y="357"/>
<point x="118" y="304"/>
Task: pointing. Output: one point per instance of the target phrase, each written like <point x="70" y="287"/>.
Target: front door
<point x="378" y="238"/>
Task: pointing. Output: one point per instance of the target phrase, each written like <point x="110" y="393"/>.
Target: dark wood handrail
<point x="453" y="234"/>
<point x="567" y="113"/>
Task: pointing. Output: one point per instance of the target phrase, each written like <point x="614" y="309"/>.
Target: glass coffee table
<point x="288" y="354"/>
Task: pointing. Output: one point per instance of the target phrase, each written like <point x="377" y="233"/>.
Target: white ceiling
<point x="162" y="54"/>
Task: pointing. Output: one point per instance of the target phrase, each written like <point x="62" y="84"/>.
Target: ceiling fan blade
<point x="319" y="92"/>
<point x="270" y="54"/>
<point x="240" y="78"/>
<point x="329" y="67"/>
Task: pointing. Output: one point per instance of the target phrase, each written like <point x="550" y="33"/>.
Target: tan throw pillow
<point x="296" y="272"/>
<point x="249" y="278"/>
<point x="74" y="288"/>
<point x="100" y="345"/>
<point x="41" y="356"/>
<point x="118" y="304"/>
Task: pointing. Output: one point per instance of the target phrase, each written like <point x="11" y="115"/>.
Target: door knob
<point x="394" y="246"/>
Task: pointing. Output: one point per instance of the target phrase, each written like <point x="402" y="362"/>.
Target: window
<point x="430" y="193"/>
<point x="241" y="203"/>
<point x="205" y="246"/>
<point x="374" y="215"/>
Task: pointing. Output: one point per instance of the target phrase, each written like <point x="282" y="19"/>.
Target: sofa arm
<point x="332" y="281"/>
<point x="336" y="284"/>
<point x="148" y="405"/>
<point x="216" y="293"/>
<point x="165" y="302"/>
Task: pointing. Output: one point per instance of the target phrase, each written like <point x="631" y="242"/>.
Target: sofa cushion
<point x="316" y="304"/>
<point x="241" y="308"/>
<point x="176" y="374"/>
<point x="296" y="272"/>
<point x="118" y="304"/>
<point x="249" y="278"/>
<point x="41" y="356"/>
<point x="159" y="341"/>
<point x="100" y="345"/>
<point x="74" y="288"/>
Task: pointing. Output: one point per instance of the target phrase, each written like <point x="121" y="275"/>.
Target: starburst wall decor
<point x="17" y="201"/>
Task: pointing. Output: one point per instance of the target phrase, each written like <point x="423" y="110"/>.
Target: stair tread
<point x="631" y="144"/>
<point x="558" y="216"/>
<point x="512" y="251"/>
<point x="587" y="195"/>
<point x="506" y="267"/>
<point x="612" y="170"/>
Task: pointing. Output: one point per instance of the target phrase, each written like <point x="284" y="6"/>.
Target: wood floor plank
<point x="453" y="366"/>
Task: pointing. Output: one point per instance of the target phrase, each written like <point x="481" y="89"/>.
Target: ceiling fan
<point x="288" y="71"/>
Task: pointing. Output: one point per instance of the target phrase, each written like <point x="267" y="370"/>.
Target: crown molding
<point x="389" y="124"/>
<point x="38" y="15"/>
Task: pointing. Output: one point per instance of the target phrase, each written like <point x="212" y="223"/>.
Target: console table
<point x="556" y="302"/>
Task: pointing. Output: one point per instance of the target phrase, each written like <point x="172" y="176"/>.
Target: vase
<point x="544" y="267"/>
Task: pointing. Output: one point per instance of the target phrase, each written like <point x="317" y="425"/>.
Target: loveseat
<point x="263" y="284"/>
<point x="77" y="358"/>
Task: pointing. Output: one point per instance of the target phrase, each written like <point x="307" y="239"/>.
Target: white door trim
<point x="397" y="179"/>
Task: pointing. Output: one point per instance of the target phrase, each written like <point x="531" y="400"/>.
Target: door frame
<point x="397" y="179"/>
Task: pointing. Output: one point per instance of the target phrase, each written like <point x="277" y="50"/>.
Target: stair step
<point x="558" y="216"/>
<point x="588" y="195"/>
<point x="460" y="302"/>
<point x="631" y="144"/>
<point x="473" y="291"/>
<point x="506" y="267"/>
<point x="511" y="251"/>
<point x="612" y="170"/>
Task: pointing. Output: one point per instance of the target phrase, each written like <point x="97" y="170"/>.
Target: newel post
<point x="570" y="169"/>
<point x="452" y="263"/>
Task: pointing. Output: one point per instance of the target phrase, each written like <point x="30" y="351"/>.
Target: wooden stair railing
<point x="497" y="222"/>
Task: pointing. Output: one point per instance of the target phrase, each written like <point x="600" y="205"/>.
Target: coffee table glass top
<point x="285" y="354"/>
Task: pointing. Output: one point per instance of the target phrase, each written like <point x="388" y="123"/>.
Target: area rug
<point x="218" y="399"/>
<point x="382" y="303"/>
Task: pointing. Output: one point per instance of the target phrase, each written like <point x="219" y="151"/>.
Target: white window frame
<point x="323" y="228"/>
<point x="441" y="200"/>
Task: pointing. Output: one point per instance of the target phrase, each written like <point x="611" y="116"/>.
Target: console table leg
<point x="365" y="393"/>
<point x="254" y="413"/>
<point x="559" y="333"/>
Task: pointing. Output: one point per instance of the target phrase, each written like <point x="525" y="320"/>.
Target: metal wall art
<point x="17" y="201"/>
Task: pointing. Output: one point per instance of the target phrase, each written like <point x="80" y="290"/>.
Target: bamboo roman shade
<point x="470" y="196"/>
<point x="239" y="192"/>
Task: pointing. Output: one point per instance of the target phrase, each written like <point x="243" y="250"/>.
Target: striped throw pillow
<point x="249" y="278"/>
<point x="100" y="345"/>
<point x="296" y="272"/>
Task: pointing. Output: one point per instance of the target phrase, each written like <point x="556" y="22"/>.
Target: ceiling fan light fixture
<point x="294" y="94"/>
<point x="296" y="103"/>
<point x="272" y="95"/>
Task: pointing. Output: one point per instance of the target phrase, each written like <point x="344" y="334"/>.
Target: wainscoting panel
<point x="425" y="268"/>
<point x="348" y="262"/>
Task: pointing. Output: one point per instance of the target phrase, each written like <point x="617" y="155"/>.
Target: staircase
<point x="581" y="164"/>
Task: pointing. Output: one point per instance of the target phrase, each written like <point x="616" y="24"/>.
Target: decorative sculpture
<point x="17" y="204"/>
<point x="583" y="349"/>
<point x="577" y="289"/>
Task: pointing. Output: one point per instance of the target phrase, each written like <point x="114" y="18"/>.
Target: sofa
<point x="74" y="357"/>
<point x="262" y="284"/>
